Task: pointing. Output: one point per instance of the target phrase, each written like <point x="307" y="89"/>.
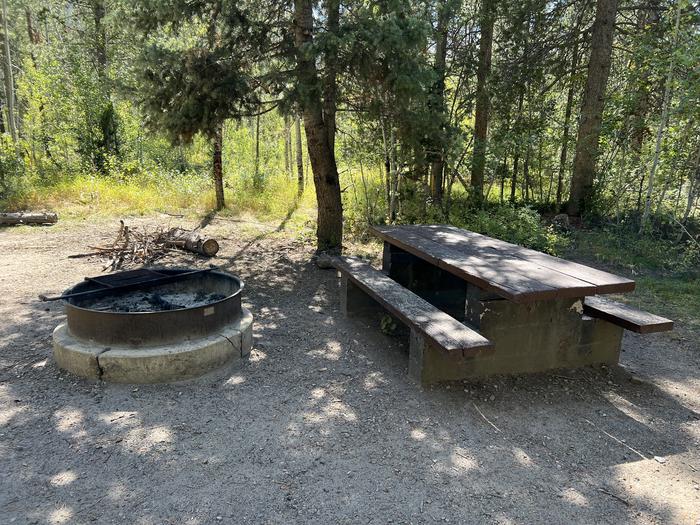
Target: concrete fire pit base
<point x="153" y="364"/>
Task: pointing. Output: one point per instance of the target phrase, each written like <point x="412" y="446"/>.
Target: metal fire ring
<point x="140" y="329"/>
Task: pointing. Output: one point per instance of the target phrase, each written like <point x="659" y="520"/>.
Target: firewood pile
<point x="144" y="246"/>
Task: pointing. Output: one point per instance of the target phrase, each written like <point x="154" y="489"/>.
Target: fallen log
<point x="28" y="218"/>
<point x="193" y="242"/>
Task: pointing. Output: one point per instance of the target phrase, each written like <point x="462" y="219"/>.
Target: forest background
<point x="494" y="116"/>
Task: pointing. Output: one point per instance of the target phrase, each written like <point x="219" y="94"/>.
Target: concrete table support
<point x="531" y="337"/>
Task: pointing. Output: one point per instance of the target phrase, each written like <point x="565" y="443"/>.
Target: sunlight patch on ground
<point x="318" y="393"/>
<point x="638" y="482"/>
<point x="374" y="380"/>
<point x="61" y="515"/>
<point x="120" y="419"/>
<point x="574" y="497"/>
<point x="627" y="407"/>
<point x="11" y="408"/>
<point x="117" y="491"/>
<point x="256" y="356"/>
<point x="63" y="478"/>
<point x="333" y="410"/>
<point x="145" y="440"/>
<point x="333" y="350"/>
<point x="462" y="461"/>
<point x="418" y="434"/>
<point x="70" y="420"/>
<point x="235" y="380"/>
<point x="522" y="457"/>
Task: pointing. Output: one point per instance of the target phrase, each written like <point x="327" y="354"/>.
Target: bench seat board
<point x="444" y="330"/>
<point x="626" y="316"/>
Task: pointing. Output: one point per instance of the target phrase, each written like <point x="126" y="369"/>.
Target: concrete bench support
<point x="436" y="339"/>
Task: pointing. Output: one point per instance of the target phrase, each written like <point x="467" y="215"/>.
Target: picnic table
<point x="478" y="306"/>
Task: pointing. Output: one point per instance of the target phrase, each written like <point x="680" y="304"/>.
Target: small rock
<point x="324" y="261"/>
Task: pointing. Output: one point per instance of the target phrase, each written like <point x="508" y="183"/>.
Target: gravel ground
<point x="322" y="425"/>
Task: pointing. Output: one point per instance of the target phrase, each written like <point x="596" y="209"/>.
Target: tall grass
<point x="190" y="194"/>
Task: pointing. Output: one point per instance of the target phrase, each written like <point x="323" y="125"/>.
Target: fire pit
<point x="152" y="326"/>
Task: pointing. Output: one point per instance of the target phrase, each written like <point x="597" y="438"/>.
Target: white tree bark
<point x="9" y="80"/>
<point x="665" y="108"/>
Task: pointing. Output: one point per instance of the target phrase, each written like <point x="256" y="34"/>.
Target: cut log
<point x="28" y="218"/>
<point x="193" y="242"/>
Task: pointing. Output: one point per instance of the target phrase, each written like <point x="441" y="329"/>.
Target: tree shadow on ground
<point x="323" y="425"/>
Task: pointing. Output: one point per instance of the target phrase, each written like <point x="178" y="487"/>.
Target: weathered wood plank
<point x="604" y="282"/>
<point x="445" y="331"/>
<point x="508" y="264"/>
<point x="474" y="268"/>
<point x="626" y="316"/>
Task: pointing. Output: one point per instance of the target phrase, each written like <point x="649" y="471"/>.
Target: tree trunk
<point x="694" y="184"/>
<point x="256" y="167"/>
<point x="329" y="230"/>
<point x="33" y="34"/>
<point x="437" y="153"/>
<point x="28" y="218"/>
<point x="514" y="177"/>
<point x="665" y="108"/>
<point x="9" y="80"/>
<point x="586" y="155"/>
<point x="504" y="175"/>
<point x="330" y="88"/>
<point x="108" y="143"/>
<point x="647" y="17"/>
<point x="287" y="148"/>
<point x="394" y="176"/>
<point x="300" y="156"/>
<point x="387" y="167"/>
<point x="516" y="156"/>
<point x="481" y="117"/>
<point x="526" y="172"/>
<point x="217" y="168"/>
<point x="567" y="124"/>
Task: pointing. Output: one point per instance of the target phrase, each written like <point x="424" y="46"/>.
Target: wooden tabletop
<point x="511" y="271"/>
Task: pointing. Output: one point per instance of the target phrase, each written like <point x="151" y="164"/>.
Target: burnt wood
<point x="518" y="274"/>
<point x="445" y="331"/>
<point x="626" y="316"/>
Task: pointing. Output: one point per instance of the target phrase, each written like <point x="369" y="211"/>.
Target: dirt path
<point x="322" y="425"/>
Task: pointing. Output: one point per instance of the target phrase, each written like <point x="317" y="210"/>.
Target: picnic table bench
<point x="478" y="306"/>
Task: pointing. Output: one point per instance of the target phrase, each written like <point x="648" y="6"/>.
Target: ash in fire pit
<point x="156" y="300"/>
<point x="149" y="326"/>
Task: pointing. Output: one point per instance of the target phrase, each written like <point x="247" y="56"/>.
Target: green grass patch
<point x="92" y="196"/>
<point x="675" y="297"/>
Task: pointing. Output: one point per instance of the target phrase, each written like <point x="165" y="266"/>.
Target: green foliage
<point x="12" y="170"/>
<point x="196" y="63"/>
<point x="387" y="324"/>
<point x="620" y="245"/>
